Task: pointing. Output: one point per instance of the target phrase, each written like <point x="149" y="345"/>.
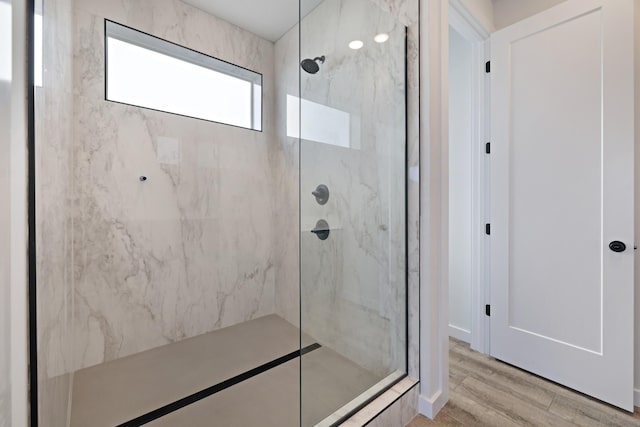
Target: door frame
<point x="474" y="32"/>
<point x="434" y="344"/>
<point x="434" y="205"/>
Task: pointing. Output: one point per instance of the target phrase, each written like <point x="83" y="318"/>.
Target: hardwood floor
<point x="486" y="392"/>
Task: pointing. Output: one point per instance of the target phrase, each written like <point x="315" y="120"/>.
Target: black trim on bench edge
<point x="202" y="394"/>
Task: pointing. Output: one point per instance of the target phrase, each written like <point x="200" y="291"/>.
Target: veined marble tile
<point x="213" y="237"/>
<point x="413" y="193"/>
<point x="285" y="160"/>
<point x="189" y="250"/>
<point x="354" y="284"/>
<point x="5" y="256"/>
<point x="405" y="11"/>
<point x="54" y="214"/>
<point x="401" y="412"/>
<point x="395" y="407"/>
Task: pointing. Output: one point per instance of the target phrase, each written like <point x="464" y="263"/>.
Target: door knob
<point x="617" y="246"/>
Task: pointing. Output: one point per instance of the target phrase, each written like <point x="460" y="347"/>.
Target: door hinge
<point x="487" y="148"/>
<point x="487" y="67"/>
<point x="487" y="229"/>
<point x="487" y="310"/>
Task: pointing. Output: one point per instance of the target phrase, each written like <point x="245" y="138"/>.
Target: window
<point x="321" y="123"/>
<point x="149" y="72"/>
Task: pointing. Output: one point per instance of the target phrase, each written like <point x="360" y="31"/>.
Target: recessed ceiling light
<point x="381" y="38"/>
<point x="356" y="44"/>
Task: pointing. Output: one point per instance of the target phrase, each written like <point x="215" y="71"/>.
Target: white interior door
<point x="561" y="191"/>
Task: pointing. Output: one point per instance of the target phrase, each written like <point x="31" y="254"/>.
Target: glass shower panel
<point x="54" y="204"/>
<point x="190" y="271"/>
<point x="167" y="268"/>
<point x="353" y="261"/>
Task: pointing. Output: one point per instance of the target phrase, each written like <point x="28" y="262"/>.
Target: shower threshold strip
<point x="202" y="394"/>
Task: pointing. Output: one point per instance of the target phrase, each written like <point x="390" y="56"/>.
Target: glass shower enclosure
<point x="352" y="145"/>
<point x="221" y="209"/>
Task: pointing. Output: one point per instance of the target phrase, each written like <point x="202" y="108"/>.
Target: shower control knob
<point x="321" y="193"/>
<point x="322" y="229"/>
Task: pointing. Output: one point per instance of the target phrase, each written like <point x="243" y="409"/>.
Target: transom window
<point x="146" y="71"/>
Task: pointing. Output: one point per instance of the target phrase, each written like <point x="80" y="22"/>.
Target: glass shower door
<point x="353" y="127"/>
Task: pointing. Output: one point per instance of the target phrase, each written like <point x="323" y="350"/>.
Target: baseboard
<point x="636" y="397"/>
<point x="460" y="334"/>
<point x="430" y="406"/>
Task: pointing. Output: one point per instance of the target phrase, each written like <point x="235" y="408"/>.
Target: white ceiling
<point x="269" y="19"/>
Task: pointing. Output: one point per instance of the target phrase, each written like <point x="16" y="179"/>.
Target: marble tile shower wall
<point x="407" y="12"/>
<point x="54" y="214"/>
<point x="5" y="251"/>
<point x="125" y="266"/>
<point x="191" y="249"/>
<point x="352" y="284"/>
<point x="286" y="162"/>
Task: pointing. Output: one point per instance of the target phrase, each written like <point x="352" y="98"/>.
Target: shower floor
<point x="118" y="392"/>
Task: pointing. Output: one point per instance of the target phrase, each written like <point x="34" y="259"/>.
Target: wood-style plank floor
<point x="486" y="392"/>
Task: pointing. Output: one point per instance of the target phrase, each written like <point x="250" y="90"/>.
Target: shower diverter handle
<point x="321" y="229"/>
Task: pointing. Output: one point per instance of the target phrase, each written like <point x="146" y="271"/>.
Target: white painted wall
<point x="507" y="12"/>
<point x="434" y="206"/>
<point x="460" y="209"/>
<point x="483" y="12"/>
